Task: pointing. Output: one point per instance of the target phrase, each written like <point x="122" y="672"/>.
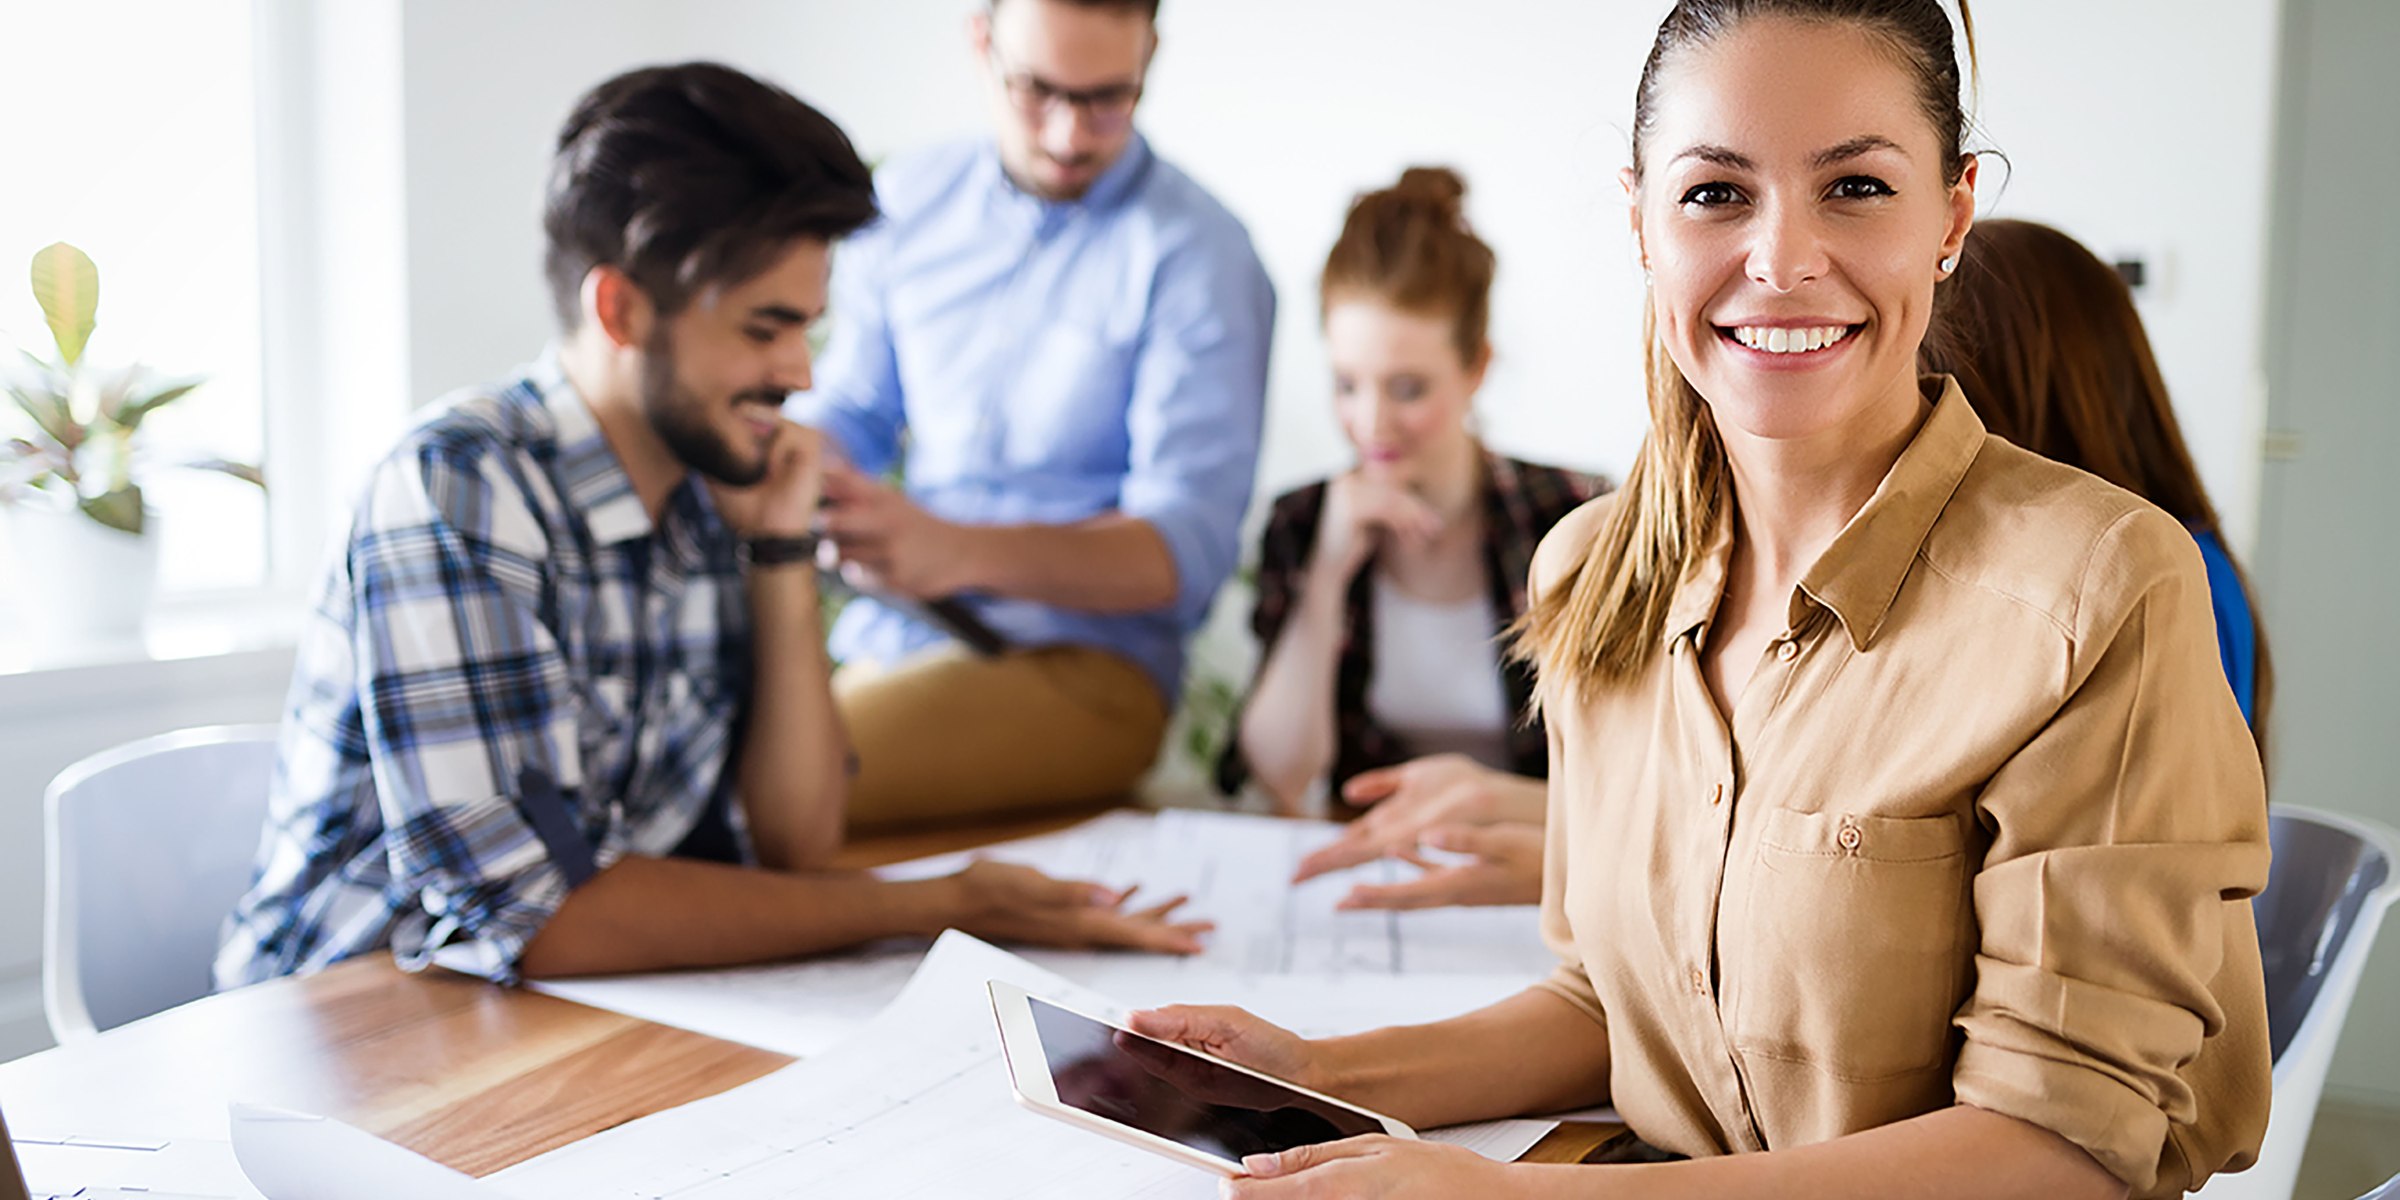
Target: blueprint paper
<point x="859" y="1119"/>
<point x="1235" y="867"/>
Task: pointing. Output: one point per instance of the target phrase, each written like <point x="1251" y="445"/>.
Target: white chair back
<point x="2334" y="877"/>
<point x="148" y="847"/>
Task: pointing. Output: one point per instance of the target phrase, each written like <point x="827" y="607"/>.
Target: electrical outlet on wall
<point x="2148" y="269"/>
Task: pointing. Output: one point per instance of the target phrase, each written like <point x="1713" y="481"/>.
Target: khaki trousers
<point x="947" y="734"/>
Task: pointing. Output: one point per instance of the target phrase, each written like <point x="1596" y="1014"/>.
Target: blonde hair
<point x="1601" y="623"/>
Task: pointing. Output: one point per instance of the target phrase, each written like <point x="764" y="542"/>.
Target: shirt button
<point x="1716" y="795"/>
<point x="1848" y="837"/>
<point x="1787" y="651"/>
<point x="1699" y="982"/>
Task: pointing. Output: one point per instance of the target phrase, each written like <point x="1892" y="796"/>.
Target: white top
<point x="1436" y="677"/>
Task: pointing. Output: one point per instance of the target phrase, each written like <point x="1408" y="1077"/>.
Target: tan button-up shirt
<point x="1982" y="830"/>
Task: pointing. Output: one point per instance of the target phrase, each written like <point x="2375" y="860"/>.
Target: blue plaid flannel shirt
<point x="510" y="681"/>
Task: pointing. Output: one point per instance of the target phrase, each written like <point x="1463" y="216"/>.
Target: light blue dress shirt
<point x="1042" y="362"/>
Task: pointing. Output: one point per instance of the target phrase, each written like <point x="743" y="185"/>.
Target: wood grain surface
<point x="465" y="1072"/>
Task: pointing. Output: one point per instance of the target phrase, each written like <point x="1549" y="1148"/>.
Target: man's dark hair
<point x="693" y="176"/>
<point x="1148" y="8"/>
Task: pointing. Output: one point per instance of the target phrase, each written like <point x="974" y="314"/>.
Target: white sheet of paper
<point x="182" y="1169"/>
<point x="295" y="1156"/>
<point x="860" y="1118"/>
<point x="791" y="1008"/>
<point x="1236" y="868"/>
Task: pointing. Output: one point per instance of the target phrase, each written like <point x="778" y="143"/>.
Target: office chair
<point x="148" y="845"/>
<point x="2333" y="878"/>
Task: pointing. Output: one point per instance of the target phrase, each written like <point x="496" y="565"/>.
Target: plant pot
<point x="73" y="578"/>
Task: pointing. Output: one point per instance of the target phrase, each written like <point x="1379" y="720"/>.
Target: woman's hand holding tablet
<point x="1164" y="1097"/>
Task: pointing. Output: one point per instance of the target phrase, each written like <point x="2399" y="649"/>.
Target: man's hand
<point x="1504" y="866"/>
<point x="1015" y="903"/>
<point x="1409" y="799"/>
<point x="887" y="543"/>
<point x="784" y="503"/>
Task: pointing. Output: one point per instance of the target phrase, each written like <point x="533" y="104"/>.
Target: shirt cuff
<point x="485" y="932"/>
<point x="1200" y="567"/>
<point x="2116" y="1125"/>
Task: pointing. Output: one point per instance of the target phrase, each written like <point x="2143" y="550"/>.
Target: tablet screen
<point x="1183" y="1097"/>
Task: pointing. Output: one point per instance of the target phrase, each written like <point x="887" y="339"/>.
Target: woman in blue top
<point x="2047" y="345"/>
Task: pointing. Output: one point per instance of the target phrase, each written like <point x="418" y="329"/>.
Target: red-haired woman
<point x="1384" y="592"/>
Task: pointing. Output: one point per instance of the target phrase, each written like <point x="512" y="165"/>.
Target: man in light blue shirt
<point x="1061" y="342"/>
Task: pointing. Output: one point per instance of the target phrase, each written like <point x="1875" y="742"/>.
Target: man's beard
<point x="1029" y="181"/>
<point x="681" y="420"/>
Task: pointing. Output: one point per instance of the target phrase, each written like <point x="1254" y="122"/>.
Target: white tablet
<point x="1193" y="1108"/>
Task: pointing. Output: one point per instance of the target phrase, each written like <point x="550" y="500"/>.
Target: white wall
<point x="2129" y="124"/>
<point x="2143" y="126"/>
<point x="484" y="89"/>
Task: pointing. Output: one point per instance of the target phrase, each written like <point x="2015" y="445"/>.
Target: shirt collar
<point x="1704" y="581"/>
<point x="1114" y="186"/>
<point x="1118" y="181"/>
<point x="1860" y="574"/>
<point x="588" y="469"/>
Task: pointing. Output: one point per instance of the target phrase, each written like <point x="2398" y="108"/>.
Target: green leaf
<point x="225" y="466"/>
<point x="120" y="509"/>
<point x="48" y="411"/>
<point x="67" y="285"/>
<point x="130" y="412"/>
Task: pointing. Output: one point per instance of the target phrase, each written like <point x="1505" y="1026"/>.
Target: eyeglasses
<point x="1107" y="109"/>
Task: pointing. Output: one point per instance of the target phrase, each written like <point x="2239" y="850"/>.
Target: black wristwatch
<point x="775" y="551"/>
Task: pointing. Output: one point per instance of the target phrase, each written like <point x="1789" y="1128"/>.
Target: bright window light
<point x="129" y="131"/>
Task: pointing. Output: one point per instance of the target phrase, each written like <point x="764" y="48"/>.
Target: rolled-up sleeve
<point x="465" y="695"/>
<point x="857" y="398"/>
<point x="2117" y="998"/>
<point x="1199" y="400"/>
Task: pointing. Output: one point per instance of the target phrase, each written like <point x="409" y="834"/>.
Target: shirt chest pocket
<point x="1850" y="955"/>
<point x="1069" y="406"/>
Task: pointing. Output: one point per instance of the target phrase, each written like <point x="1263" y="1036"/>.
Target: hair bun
<point x="1438" y="188"/>
<point x="1409" y="245"/>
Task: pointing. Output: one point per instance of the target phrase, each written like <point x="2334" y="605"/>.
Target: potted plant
<point x="71" y="481"/>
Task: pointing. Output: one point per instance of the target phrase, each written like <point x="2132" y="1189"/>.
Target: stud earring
<point x="1949" y="264"/>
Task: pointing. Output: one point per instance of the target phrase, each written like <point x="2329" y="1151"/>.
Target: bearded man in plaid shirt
<point x="563" y="705"/>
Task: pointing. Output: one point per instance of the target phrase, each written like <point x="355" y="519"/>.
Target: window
<point x="131" y="132"/>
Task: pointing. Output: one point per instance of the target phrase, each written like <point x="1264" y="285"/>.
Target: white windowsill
<point x="185" y="643"/>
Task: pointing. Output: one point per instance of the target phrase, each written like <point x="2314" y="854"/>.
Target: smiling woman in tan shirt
<point x="1902" y="824"/>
